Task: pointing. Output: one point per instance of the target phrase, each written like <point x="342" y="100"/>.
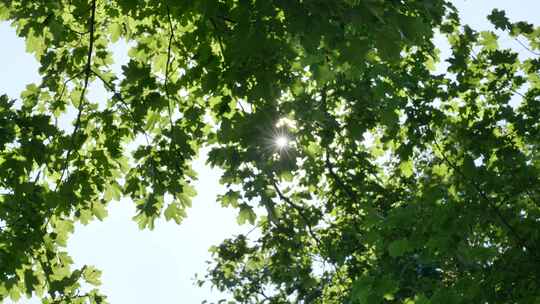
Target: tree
<point x="391" y="183"/>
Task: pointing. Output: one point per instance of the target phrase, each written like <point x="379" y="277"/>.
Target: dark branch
<point x="87" y="72"/>
<point x="300" y="211"/>
<point x="220" y="42"/>
<point x="167" y="67"/>
<point x="350" y="192"/>
<point x="484" y="196"/>
<point x="526" y="47"/>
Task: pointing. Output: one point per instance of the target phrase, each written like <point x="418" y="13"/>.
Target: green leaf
<point x="246" y="215"/>
<point x="175" y="212"/>
<point x="230" y="199"/>
<point x="398" y="248"/>
<point x="92" y="275"/>
<point x="116" y="31"/>
<point x="322" y="73"/>
<point x="313" y="149"/>
<point x="388" y="46"/>
<point x="499" y="19"/>
<point x="4" y="12"/>
<point x="287" y="176"/>
<point x="406" y="168"/>
<point x="85" y="216"/>
<point x="112" y="192"/>
<point x="35" y="44"/>
<point x="489" y="40"/>
<point x="99" y="210"/>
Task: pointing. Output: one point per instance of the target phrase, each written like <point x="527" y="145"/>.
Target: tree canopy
<point x="373" y="171"/>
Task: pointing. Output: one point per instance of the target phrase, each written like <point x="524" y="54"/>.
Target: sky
<point x="158" y="266"/>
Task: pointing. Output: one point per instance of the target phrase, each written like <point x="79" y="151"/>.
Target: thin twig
<point x="169" y="54"/>
<point x="350" y="193"/>
<point x="220" y="42"/>
<point x="155" y="177"/>
<point x="484" y="196"/>
<point x="87" y="71"/>
<point x="301" y="213"/>
<point x="173" y="145"/>
<point x="526" y="47"/>
<point x="344" y="187"/>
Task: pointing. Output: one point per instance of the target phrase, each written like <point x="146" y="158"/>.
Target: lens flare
<point x="282" y="142"/>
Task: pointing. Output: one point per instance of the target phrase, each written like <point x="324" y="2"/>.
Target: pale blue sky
<point x="141" y="267"/>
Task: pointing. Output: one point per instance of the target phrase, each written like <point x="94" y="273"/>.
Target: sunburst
<point x="281" y="142"/>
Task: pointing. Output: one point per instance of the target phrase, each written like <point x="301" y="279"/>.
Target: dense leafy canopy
<point x="393" y="181"/>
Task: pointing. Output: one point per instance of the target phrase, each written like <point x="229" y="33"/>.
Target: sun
<point x="282" y="142"/>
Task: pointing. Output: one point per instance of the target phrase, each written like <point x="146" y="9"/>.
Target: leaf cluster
<point x="404" y="179"/>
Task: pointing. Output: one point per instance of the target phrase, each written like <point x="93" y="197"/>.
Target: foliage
<point x="398" y="183"/>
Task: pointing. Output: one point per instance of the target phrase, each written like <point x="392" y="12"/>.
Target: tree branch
<point x="87" y="72"/>
<point x="526" y="47"/>
<point x="484" y="196"/>
<point x="169" y="56"/>
<point x="301" y="213"/>
<point x="220" y="42"/>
